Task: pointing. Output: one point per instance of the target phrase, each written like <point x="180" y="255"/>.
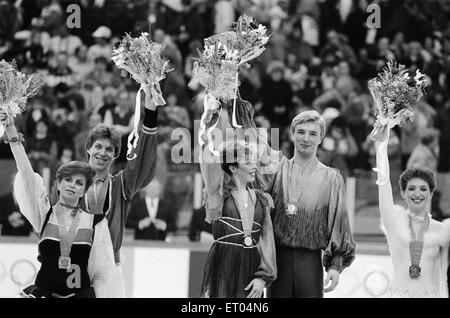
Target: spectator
<point x="80" y="138"/>
<point x="150" y="215"/>
<point x="80" y="64"/>
<point x="424" y="154"/>
<point x="276" y="94"/>
<point x="100" y="74"/>
<point x="11" y="220"/>
<point x="102" y="46"/>
<point x="338" y="147"/>
<point x="224" y="16"/>
<point x="42" y="147"/>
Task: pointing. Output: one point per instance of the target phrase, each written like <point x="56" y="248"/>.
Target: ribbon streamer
<point x="234" y="121"/>
<point x="137" y="117"/>
<point x="209" y="103"/>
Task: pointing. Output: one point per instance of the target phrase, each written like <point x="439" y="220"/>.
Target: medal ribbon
<point x="416" y="244"/>
<point x="244" y="213"/>
<point x="96" y="199"/>
<point x="67" y="237"/>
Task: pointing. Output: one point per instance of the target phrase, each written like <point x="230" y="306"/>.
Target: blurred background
<point x="320" y="56"/>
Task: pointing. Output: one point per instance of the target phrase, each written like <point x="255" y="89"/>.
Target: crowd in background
<point x="320" y="56"/>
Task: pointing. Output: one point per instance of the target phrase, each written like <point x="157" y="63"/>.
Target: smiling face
<point x="101" y="154"/>
<point x="307" y="137"/>
<point x="417" y="195"/>
<point x="72" y="188"/>
<point x="244" y="172"/>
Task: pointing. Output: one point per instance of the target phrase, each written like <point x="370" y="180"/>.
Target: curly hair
<point x="421" y="173"/>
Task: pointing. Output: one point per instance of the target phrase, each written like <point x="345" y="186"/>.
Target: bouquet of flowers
<point x="16" y="88"/>
<point x="251" y="38"/>
<point x="142" y="59"/>
<point x="395" y="94"/>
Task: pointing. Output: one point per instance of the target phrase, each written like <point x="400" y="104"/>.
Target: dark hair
<point x="101" y="131"/>
<point x="76" y="167"/>
<point x="421" y="173"/>
<point x="232" y="155"/>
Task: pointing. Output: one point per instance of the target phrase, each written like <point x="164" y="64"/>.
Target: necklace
<point x="416" y="245"/>
<point x="242" y="199"/>
<point x="74" y="208"/>
<point x="416" y="217"/>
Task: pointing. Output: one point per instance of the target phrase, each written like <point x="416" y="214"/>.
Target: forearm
<point x="18" y="151"/>
<point x="385" y="197"/>
<point x="141" y="170"/>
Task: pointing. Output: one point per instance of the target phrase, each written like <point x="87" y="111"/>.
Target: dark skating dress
<point x="232" y="264"/>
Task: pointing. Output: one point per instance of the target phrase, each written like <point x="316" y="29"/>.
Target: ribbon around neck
<point x="209" y="103"/>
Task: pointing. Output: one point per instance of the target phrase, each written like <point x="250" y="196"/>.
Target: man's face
<point x="101" y="154"/>
<point x="307" y="138"/>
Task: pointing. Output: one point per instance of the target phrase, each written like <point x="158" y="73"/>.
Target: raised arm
<point x="140" y="171"/>
<point x="29" y="187"/>
<point x="212" y="175"/>
<point x="385" y="197"/>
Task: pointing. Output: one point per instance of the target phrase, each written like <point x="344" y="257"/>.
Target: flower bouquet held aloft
<point x="142" y="59"/>
<point x="252" y="38"/>
<point x="217" y="68"/>
<point x="395" y="94"/>
<point x="16" y="88"/>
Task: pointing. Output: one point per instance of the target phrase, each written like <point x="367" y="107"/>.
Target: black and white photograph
<point x="183" y="150"/>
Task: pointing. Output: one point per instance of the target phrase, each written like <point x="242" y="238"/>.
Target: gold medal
<point x="64" y="262"/>
<point x="248" y="241"/>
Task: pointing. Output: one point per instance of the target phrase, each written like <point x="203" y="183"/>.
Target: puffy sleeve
<point x="340" y="251"/>
<point x="101" y="264"/>
<point x="212" y="175"/>
<point x="29" y="190"/>
<point x="267" y="269"/>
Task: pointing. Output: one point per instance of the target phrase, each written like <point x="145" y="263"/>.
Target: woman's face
<point x="417" y="195"/>
<point x="72" y="188"/>
<point x="244" y="172"/>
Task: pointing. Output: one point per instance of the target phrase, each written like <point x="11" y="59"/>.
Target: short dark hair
<point x="234" y="153"/>
<point x="421" y="173"/>
<point x="76" y="167"/>
<point x="101" y="131"/>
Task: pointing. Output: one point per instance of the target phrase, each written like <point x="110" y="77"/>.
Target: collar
<point x="102" y="180"/>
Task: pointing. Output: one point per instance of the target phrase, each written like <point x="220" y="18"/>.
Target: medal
<point x="64" y="262"/>
<point x="66" y="237"/>
<point x="291" y="209"/>
<point x="248" y="241"/>
<point x="414" y="271"/>
<point x="416" y="246"/>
